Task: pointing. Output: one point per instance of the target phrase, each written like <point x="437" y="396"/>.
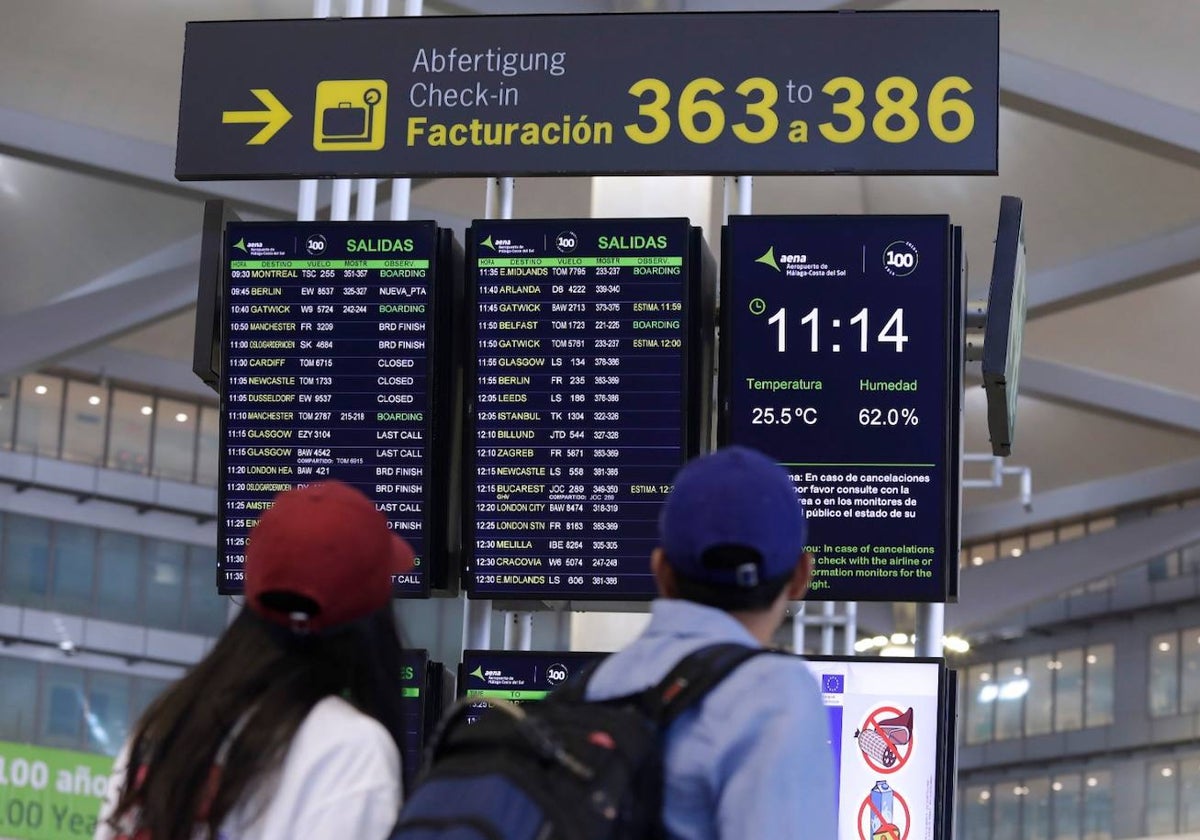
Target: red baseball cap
<point x="327" y="543"/>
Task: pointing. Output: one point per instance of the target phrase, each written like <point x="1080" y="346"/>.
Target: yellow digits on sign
<point x="902" y="108"/>
<point x="654" y="109"/>
<point x="847" y="108"/>
<point x="763" y="109"/>
<point x="690" y="107"/>
<point x="939" y="107"/>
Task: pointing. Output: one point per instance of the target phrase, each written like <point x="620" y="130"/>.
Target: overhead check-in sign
<point x="782" y="93"/>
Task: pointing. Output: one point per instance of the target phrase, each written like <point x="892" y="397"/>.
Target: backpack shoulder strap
<point x="692" y="678"/>
<point x="574" y="690"/>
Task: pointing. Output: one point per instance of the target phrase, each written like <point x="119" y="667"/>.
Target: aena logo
<point x="566" y="242"/>
<point x="315" y="244"/>
<point x="769" y="258"/>
<point x="556" y="674"/>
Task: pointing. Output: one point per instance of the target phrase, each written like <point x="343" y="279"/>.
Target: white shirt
<point x="340" y="778"/>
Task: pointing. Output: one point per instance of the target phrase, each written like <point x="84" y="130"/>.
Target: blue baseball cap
<point x="733" y="497"/>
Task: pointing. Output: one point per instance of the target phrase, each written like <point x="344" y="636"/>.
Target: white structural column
<point x="477" y="613"/>
<point x="306" y="205"/>
<point x="625" y="197"/>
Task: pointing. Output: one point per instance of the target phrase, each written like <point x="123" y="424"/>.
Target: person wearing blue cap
<point x="752" y="760"/>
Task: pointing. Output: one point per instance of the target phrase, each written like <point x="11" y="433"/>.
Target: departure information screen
<point x="583" y="333"/>
<point x="414" y="694"/>
<point x="516" y="676"/>
<point x="328" y="335"/>
<point x="839" y="358"/>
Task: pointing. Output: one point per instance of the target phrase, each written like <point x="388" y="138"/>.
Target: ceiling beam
<point x="163" y="375"/>
<point x="1077" y="500"/>
<point x="40" y="336"/>
<point x="1125" y="398"/>
<point x="178" y="255"/>
<point x="994" y="590"/>
<point x="128" y="159"/>
<point x="1081" y="102"/>
<point x="1121" y="269"/>
<point x="145" y="164"/>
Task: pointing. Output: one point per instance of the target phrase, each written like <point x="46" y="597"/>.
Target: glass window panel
<point x="1164" y="675"/>
<point x="41" y="409"/>
<point x="1071" y="532"/>
<point x="1066" y="801"/>
<point x="1164" y="567"/>
<point x="1068" y="690"/>
<point x="26" y="559"/>
<point x="1039" y="702"/>
<point x="107" y="712"/>
<point x="1098" y="697"/>
<point x="164" y="583"/>
<point x="1036" y="809"/>
<point x="84" y="423"/>
<point x="1095" y="526"/>
<point x="1012" y="547"/>
<point x="1189" y="783"/>
<point x="18" y="698"/>
<point x="129" y="431"/>
<point x="74" y="563"/>
<point x="975" y="820"/>
<point x="1010" y="698"/>
<point x="118" y="584"/>
<point x="981" y="701"/>
<point x="1189" y="559"/>
<point x="1041" y="539"/>
<point x="145" y="691"/>
<point x="210" y="446"/>
<point x="1006" y="811"/>
<point x="205" y="608"/>
<point x="1162" y="797"/>
<point x="62" y="718"/>
<point x="1097" y="806"/>
<point x="982" y="553"/>
<point x="1189" y="656"/>
<point x="175" y="425"/>
<point x="8" y="412"/>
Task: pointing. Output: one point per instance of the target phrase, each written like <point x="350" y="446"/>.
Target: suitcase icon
<point x="350" y="123"/>
<point x="345" y="122"/>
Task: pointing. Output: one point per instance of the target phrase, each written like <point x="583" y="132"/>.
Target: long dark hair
<point x="268" y="678"/>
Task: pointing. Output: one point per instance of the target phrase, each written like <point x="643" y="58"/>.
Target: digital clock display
<point x="581" y="401"/>
<point x="331" y="371"/>
<point x="839" y="359"/>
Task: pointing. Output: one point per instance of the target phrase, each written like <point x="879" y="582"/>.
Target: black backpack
<point x="560" y="769"/>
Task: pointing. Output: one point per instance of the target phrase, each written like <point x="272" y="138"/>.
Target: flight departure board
<point x="333" y="369"/>
<point x="583" y="400"/>
<point x="516" y="676"/>
<point x="840" y="340"/>
<point x="414" y="694"/>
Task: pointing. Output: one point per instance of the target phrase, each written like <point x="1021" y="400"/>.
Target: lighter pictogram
<point x="351" y="115"/>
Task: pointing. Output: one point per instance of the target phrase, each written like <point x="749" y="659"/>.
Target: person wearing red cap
<point x="290" y="727"/>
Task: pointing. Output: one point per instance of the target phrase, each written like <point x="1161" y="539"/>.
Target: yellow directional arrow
<point x="276" y="117"/>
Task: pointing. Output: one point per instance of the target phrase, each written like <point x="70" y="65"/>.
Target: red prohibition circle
<point x="901" y="756"/>
<point x="899" y="835"/>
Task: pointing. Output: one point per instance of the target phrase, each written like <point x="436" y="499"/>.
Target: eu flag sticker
<point x="833" y="684"/>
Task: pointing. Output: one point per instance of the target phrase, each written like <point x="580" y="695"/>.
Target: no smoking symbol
<point x="886" y="738"/>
